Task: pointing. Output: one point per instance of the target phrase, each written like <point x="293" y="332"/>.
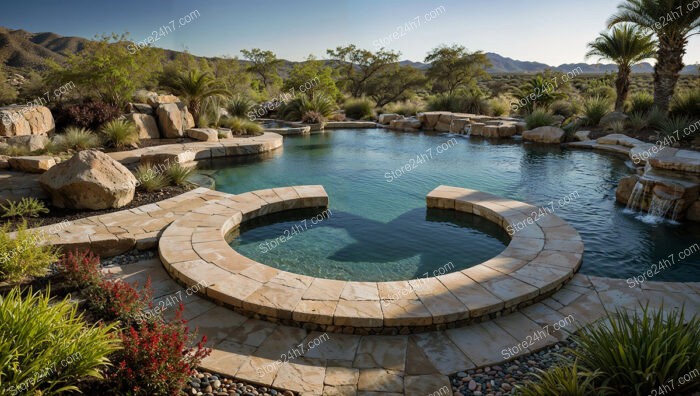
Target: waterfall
<point x="676" y="210"/>
<point x="468" y="130"/>
<point x="635" y="200"/>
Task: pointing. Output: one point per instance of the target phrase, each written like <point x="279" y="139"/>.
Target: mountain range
<point x="23" y="50"/>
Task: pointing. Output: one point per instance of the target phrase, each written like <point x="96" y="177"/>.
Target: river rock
<point x="91" y="179"/>
<point x="26" y="120"/>
<point x="544" y="134"/>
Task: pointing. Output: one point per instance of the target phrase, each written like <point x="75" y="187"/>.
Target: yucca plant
<point x="637" y="121"/>
<point x="686" y="103"/>
<point x="675" y="126"/>
<point x="640" y="102"/>
<point x="241" y="126"/>
<point x="120" y="133"/>
<point x="179" y="174"/>
<point x="25" y="207"/>
<point x="638" y="352"/>
<point x="561" y="380"/>
<point x="595" y="108"/>
<point x="655" y="117"/>
<point x="539" y="118"/>
<point x="23" y="253"/>
<point x="239" y="106"/>
<point x="46" y="346"/>
<point x="149" y="178"/>
<point x="76" y="139"/>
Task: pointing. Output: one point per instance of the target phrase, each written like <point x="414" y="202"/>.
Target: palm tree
<point x="625" y="45"/>
<point x="673" y="22"/>
<point x="194" y="87"/>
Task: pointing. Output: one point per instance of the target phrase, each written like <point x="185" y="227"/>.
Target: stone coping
<point x="539" y="259"/>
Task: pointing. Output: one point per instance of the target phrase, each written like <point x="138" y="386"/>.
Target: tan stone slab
<point x="283" y="344"/>
<point x="289" y="196"/>
<point x="559" y="258"/>
<point x="301" y="375"/>
<point x="388" y="352"/>
<point x="358" y="314"/>
<point x="483" y="343"/>
<point x="228" y="259"/>
<point x="274" y="202"/>
<point x="586" y="309"/>
<point x="520" y="254"/>
<point x="274" y="300"/>
<point x="544" y="278"/>
<point x="360" y="291"/>
<point x="524" y="243"/>
<point x="398" y="313"/>
<point x="475" y="297"/>
<point x="324" y="289"/>
<point x="339" y="390"/>
<point x="260" y="272"/>
<point x="312" y="196"/>
<point x="566" y="295"/>
<point x="504" y="265"/>
<point x="338" y="376"/>
<point x="547" y="317"/>
<point x="199" y="272"/>
<point x="481" y="273"/>
<point x="380" y="380"/>
<point x="336" y="346"/>
<point x="217" y="324"/>
<point x="315" y="311"/>
<point x="295" y="281"/>
<point x="443" y="305"/>
<point x="534" y="335"/>
<point x="259" y="370"/>
<point x="424" y="385"/>
<point x="397" y="290"/>
<point x="512" y="291"/>
<point x="234" y="291"/>
<point x="564" y="245"/>
<point x="252" y="332"/>
<point x="227" y="357"/>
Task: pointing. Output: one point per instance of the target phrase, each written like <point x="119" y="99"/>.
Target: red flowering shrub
<point x="80" y="268"/>
<point x="89" y="115"/>
<point x="117" y="300"/>
<point x="156" y="359"/>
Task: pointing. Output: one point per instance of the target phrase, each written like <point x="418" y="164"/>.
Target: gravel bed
<point x="501" y="380"/>
<point x="203" y="383"/>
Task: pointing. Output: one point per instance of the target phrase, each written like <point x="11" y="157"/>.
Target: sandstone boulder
<point x="32" y="164"/>
<point x="386" y="119"/>
<point x="544" y="134"/>
<point x="26" y="120"/>
<point x="582" y="136"/>
<point x="624" y="188"/>
<point x="141" y="108"/>
<point x="406" y="124"/>
<point x="29" y="142"/>
<point x="203" y="134"/>
<point x="430" y="119"/>
<point x="157" y="100"/>
<point x="612" y="117"/>
<point x="619" y="139"/>
<point x="91" y="179"/>
<point x="148" y="129"/>
<point x="477" y="129"/>
<point x="174" y="120"/>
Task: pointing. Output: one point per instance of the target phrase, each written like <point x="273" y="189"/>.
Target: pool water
<point x="377" y="228"/>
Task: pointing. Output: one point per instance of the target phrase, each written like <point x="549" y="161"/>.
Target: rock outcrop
<point x="146" y="124"/>
<point x="26" y="120"/>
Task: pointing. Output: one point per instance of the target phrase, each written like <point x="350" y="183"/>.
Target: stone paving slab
<point x="316" y="363"/>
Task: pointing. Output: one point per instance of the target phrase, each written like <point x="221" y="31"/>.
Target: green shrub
<point x="675" y="127"/>
<point x="14" y="150"/>
<point x="76" y="139"/>
<point x="297" y="107"/>
<point x="46" y="347"/>
<point x="406" y="108"/>
<point x="686" y="104"/>
<point x="655" y="117"/>
<point x="26" y="207"/>
<point x="617" y="126"/>
<point x="638" y="352"/>
<point x="149" y="178"/>
<point x="120" y="133"/>
<point x="561" y="380"/>
<point x="538" y="118"/>
<point x="242" y="126"/>
<point x="359" y="109"/>
<point x="595" y="108"/>
<point x="603" y="91"/>
<point x="312" y="117"/>
<point x="640" y="102"/>
<point x="499" y="106"/>
<point x="23" y="254"/>
<point x="462" y="102"/>
<point x="179" y="174"/>
<point x="637" y="121"/>
<point x="564" y="108"/>
<point x="239" y="106"/>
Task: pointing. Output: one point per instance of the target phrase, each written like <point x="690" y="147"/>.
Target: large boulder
<point x="387" y="118"/>
<point x="612" y="117"/>
<point x="582" y="136"/>
<point x="625" y="187"/>
<point x="430" y="119"/>
<point x="544" y="134"/>
<point x="32" y="164"/>
<point x="203" y="134"/>
<point x="157" y="100"/>
<point x="148" y="129"/>
<point x="26" y="120"/>
<point x="406" y="124"/>
<point x="29" y="142"/>
<point x="91" y="179"/>
<point x="174" y="119"/>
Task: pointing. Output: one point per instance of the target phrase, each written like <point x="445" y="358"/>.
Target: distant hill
<point x="20" y="49"/>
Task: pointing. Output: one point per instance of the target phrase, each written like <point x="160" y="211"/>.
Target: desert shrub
<point x="617" y="126"/>
<point x="336" y="116"/>
<point x="14" y="150"/>
<point x="79" y="268"/>
<point x="675" y="127"/>
<point x="602" y="91"/>
<point x="120" y="133"/>
<point x="117" y="300"/>
<point x="539" y="118"/>
<point x="149" y="178"/>
<point x="595" y="108"/>
<point x="499" y="106"/>
<point x="359" y="109"/>
<point x="405" y="108"/>
<point x="564" y="108"/>
<point x="242" y="126"/>
<point x="23" y="254"/>
<point x="560" y="380"/>
<point x="312" y="117"/>
<point x="655" y="117"/>
<point x="156" y="358"/>
<point x="686" y="104"/>
<point x="637" y="121"/>
<point x="462" y="102"/>
<point x="76" y="139"/>
<point x="239" y="106"/>
<point x="88" y="115"/>
<point x="640" y="102"/>
<point x="179" y="174"/>
<point x="638" y="352"/>
<point x="46" y="346"/>
<point x="25" y="207"/>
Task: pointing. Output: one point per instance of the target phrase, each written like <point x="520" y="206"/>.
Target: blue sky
<point x="549" y="31"/>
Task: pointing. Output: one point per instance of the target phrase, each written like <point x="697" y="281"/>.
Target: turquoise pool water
<point x="377" y="227"/>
